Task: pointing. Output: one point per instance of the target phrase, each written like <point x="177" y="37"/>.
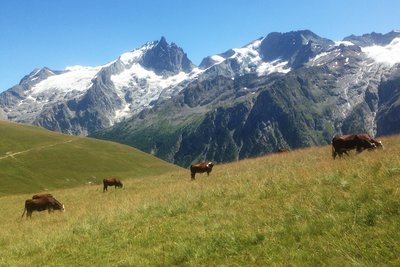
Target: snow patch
<point x="143" y="86"/>
<point x="75" y="78"/>
<point x="345" y="43"/>
<point x="138" y="76"/>
<point x="121" y="113"/>
<point x="271" y="67"/>
<point x="135" y="55"/>
<point x="321" y="55"/>
<point x="217" y="59"/>
<point x="389" y="54"/>
<point x="36" y="72"/>
<point x="250" y="60"/>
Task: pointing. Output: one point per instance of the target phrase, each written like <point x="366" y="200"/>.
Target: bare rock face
<point x="167" y="59"/>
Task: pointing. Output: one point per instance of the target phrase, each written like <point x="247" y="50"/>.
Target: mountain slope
<point x="291" y="89"/>
<point x="300" y="208"/>
<point x="33" y="159"/>
<point x="338" y="88"/>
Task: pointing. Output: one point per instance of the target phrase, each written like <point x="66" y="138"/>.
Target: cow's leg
<point x="342" y="152"/>
<point x="23" y="212"/>
<point x="29" y="214"/>
<point x="208" y="173"/>
<point x="104" y="188"/>
<point x="193" y="175"/>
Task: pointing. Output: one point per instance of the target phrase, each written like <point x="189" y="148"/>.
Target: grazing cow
<point x="283" y="150"/>
<point x="200" y="168"/>
<point x="41" y="196"/>
<point x="41" y="204"/>
<point x="343" y="143"/>
<point x="111" y="182"/>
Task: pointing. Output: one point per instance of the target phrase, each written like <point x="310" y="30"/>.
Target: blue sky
<point x="61" y="33"/>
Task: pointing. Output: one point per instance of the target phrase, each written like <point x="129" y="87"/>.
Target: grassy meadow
<point x="300" y="208"/>
<point x="33" y="159"/>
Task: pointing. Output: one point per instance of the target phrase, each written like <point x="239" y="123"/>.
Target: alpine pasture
<point x="296" y="208"/>
<point x="33" y="159"/>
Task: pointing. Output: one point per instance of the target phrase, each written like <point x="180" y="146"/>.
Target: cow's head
<point x="379" y="144"/>
<point x="210" y="165"/>
<point x="57" y="205"/>
<point x="366" y="144"/>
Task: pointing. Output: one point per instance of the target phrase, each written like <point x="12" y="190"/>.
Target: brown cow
<point x="41" y="196"/>
<point x="111" y="182"/>
<point x="343" y="143"/>
<point x="201" y="167"/>
<point x="41" y="204"/>
<point x="283" y="150"/>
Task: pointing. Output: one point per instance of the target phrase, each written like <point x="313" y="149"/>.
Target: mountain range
<point x="285" y="90"/>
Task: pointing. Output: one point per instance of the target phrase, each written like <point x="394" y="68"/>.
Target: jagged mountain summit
<point x="80" y="99"/>
<point x="292" y="89"/>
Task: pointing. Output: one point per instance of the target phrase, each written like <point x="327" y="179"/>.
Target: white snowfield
<point x="250" y="59"/>
<point x="77" y="78"/>
<point x="389" y="54"/>
<point x="144" y="86"/>
<point x="70" y="84"/>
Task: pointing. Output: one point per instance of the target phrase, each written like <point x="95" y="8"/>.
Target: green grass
<point x="300" y="208"/>
<point x="33" y="159"/>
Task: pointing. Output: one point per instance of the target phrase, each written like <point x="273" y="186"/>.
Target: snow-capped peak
<point x="249" y="59"/>
<point x="74" y="78"/>
<point x="135" y="55"/>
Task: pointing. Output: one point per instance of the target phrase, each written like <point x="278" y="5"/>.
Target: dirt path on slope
<point x="12" y="154"/>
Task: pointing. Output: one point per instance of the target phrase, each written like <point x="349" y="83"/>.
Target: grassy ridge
<point x="33" y="159"/>
<point x="298" y="208"/>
